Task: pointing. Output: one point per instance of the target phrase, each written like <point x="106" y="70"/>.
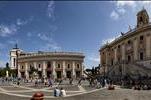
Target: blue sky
<point x="80" y="26"/>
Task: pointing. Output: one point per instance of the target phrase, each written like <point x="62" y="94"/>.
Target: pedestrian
<point x="70" y="81"/>
<point x="56" y="92"/>
<point x="36" y="82"/>
<point x="50" y="82"/>
<point x="45" y="81"/>
<point x="62" y="92"/>
<point x="60" y="81"/>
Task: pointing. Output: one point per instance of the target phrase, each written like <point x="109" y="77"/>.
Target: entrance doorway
<point x="49" y="73"/>
<point x="23" y="74"/>
<point x="78" y="74"/>
<point x="58" y="74"/>
<point x="141" y="56"/>
<point x="129" y="58"/>
<point x="68" y="74"/>
<point x="39" y="74"/>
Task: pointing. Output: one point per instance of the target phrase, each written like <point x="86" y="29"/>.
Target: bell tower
<point x="14" y="53"/>
<point x="142" y="18"/>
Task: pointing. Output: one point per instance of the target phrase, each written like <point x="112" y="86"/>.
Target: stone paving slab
<point x="13" y="88"/>
<point x="118" y="94"/>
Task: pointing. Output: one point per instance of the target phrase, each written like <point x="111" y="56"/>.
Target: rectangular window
<point x="14" y="60"/>
<point x="141" y="37"/>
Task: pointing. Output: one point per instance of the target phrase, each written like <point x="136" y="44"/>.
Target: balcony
<point x="22" y="70"/>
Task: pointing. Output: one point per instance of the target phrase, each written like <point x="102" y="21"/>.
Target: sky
<point x="77" y="26"/>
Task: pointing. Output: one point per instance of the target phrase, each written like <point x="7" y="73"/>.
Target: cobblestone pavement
<point x="118" y="94"/>
<point x="74" y="92"/>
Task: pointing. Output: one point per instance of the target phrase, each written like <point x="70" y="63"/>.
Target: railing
<point x="52" y="53"/>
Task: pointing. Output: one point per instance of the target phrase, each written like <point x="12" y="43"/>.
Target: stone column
<point x="35" y="65"/>
<point x="123" y="52"/>
<point x="73" y="69"/>
<point x="44" y="69"/>
<point x="135" y="48"/>
<point x="82" y="69"/>
<point x="26" y="71"/>
<point x="123" y="59"/>
<point x="54" y="69"/>
<point x="19" y="74"/>
<point x="64" y="69"/>
<point x="148" y="46"/>
<point x="115" y="55"/>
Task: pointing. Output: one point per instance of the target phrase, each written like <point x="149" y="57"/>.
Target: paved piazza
<point x="74" y="92"/>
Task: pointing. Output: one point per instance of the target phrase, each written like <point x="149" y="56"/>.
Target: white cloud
<point x="23" y="22"/>
<point x="126" y="3"/>
<point x="50" y="43"/>
<point x="11" y="29"/>
<point x="122" y="7"/>
<point x="6" y="30"/>
<point x="109" y="40"/>
<point x="44" y="37"/>
<point x="121" y="11"/>
<point x="146" y="2"/>
<point x="114" y="15"/>
<point x="50" y="9"/>
<point x="53" y="46"/>
<point x="94" y="59"/>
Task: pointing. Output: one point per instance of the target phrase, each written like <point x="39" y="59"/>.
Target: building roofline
<point x="126" y="35"/>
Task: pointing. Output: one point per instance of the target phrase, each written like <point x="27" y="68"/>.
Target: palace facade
<point x="56" y="64"/>
<point x="129" y="54"/>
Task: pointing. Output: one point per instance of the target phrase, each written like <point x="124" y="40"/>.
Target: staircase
<point x="135" y="69"/>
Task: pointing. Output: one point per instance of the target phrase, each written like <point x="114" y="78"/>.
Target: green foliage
<point x="7" y="68"/>
<point x="32" y="70"/>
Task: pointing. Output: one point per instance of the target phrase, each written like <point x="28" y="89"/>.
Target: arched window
<point x="141" y="37"/>
<point x="68" y="65"/>
<point x="129" y="58"/>
<point x="78" y="66"/>
<point x="48" y="65"/>
<point x="141" y="19"/>
<point x="141" y="56"/>
<point x="129" y="42"/>
<point x="39" y="65"/>
<point x="58" y="65"/>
